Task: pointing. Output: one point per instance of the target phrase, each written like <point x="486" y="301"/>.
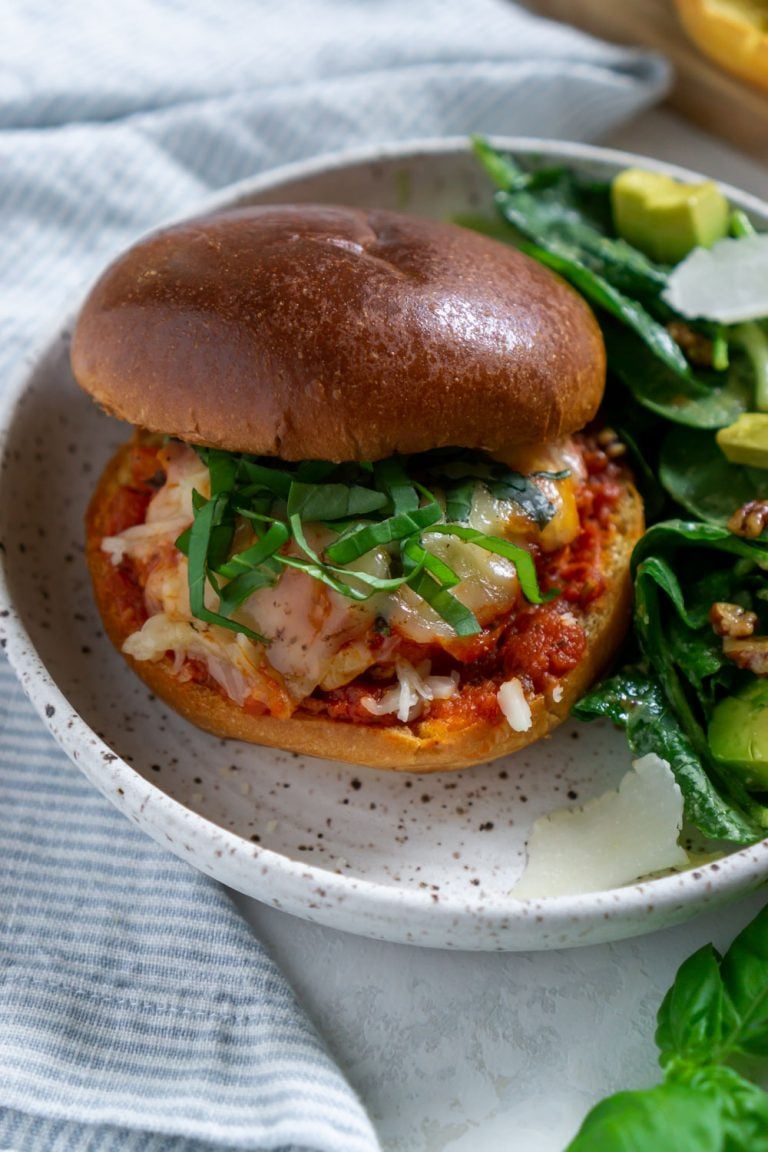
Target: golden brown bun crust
<point x="334" y="333"/>
<point x="425" y="746"/>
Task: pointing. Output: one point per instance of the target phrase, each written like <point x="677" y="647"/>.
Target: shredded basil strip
<point x="355" y="544"/>
<point x="264" y="549"/>
<point x="522" y="559"/>
<point x="328" y="572"/>
<point x="458" y="501"/>
<point x="207" y="518"/>
<point x="418" y="555"/>
<point x="422" y="581"/>
<point x="332" y="501"/>
<point x="387" y="504"/>
<point x="501" y="482"/>
<point x="392" y="478"/>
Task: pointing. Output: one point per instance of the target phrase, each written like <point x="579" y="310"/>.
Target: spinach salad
<point x="682" y="390"/>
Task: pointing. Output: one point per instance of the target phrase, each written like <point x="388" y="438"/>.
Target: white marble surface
<point x="486" y="1052"/>
<point x="467" y="1052"/>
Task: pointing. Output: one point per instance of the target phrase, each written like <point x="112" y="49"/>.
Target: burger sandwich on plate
<point x="365" y="513"/>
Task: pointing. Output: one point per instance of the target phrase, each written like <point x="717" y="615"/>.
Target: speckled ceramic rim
<point x="384" y="911"/>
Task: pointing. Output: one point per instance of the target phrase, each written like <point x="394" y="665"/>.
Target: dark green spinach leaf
<point x="679" y="398"/>
<point x="698" y="477"/>
<point x="635" y="700"/>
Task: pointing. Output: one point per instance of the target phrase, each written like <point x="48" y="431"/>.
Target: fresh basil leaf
<point x="526" y="494"/>
<point x="314" y="471"/>
<point x="233" y="594"/>
<point x="667" y="1118"/>
<point x="743" y="1107"/>
<point x="388" y="496"/>
<point x="701" y="480"/>
<point x="222" y="468"/>
<point x="203" y="527"/>
<point x="342" y="580"/>
<point x="182" y="542"/>
<point x="745" y="976"/>
<point x="266" y="477"/>
<point x="696" y="1012"/>
<point x="717" y="1008"/>
<point x="332" y="577"/>
<point x="500" y="481"/>
<point x="420" y="557"/>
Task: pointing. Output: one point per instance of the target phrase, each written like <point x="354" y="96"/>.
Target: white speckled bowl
<point x="427" y="860"/>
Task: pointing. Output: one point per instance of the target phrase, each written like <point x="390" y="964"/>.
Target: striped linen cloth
<point x="137" y="1010"/>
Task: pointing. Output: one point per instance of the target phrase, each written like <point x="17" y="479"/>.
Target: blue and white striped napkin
<point x="137" y="1010"/>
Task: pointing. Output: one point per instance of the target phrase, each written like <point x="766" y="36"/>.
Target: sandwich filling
<point x="445" y="585"/>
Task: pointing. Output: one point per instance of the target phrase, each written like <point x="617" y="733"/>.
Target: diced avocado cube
<point x="746" y="440"/>
<point x="665" y="218"/>
<point x="738" y="734"/>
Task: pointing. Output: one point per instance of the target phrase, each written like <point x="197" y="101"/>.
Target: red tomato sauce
<point x="538" y="643"/>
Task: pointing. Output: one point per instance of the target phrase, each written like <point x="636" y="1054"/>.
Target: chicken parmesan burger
<point x="360" y="517"/>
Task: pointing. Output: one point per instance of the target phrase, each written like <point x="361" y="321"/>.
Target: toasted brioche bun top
<point x="318" y="332"/>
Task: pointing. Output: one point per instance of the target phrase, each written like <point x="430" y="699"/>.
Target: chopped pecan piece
<point x="750" y="520"/>
<point x="697" y="348"/>
<point x="749" y="654"/>
<point x="732" y="620"/>
<point x="610" y="443"/>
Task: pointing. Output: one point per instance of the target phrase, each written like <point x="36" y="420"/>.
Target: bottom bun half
<point x="425" y="745"/>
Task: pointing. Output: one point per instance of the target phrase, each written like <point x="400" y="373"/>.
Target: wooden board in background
<point x="709" y="97"/>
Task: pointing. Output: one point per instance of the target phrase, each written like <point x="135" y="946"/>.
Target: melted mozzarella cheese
<point x="561" y="457"/>
<point x="504" y="518"/>
<point x="488" y="586"/>
<point x="309" y="625"/>
<point x="231" y="659"/>
<point x="316" y="636"/>
<point x="170" y="509"/>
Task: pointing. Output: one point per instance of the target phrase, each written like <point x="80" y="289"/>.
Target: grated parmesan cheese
<point x="514" y="705"/>
<point x="609" y="841"/>
<point x="413" y="688"/>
